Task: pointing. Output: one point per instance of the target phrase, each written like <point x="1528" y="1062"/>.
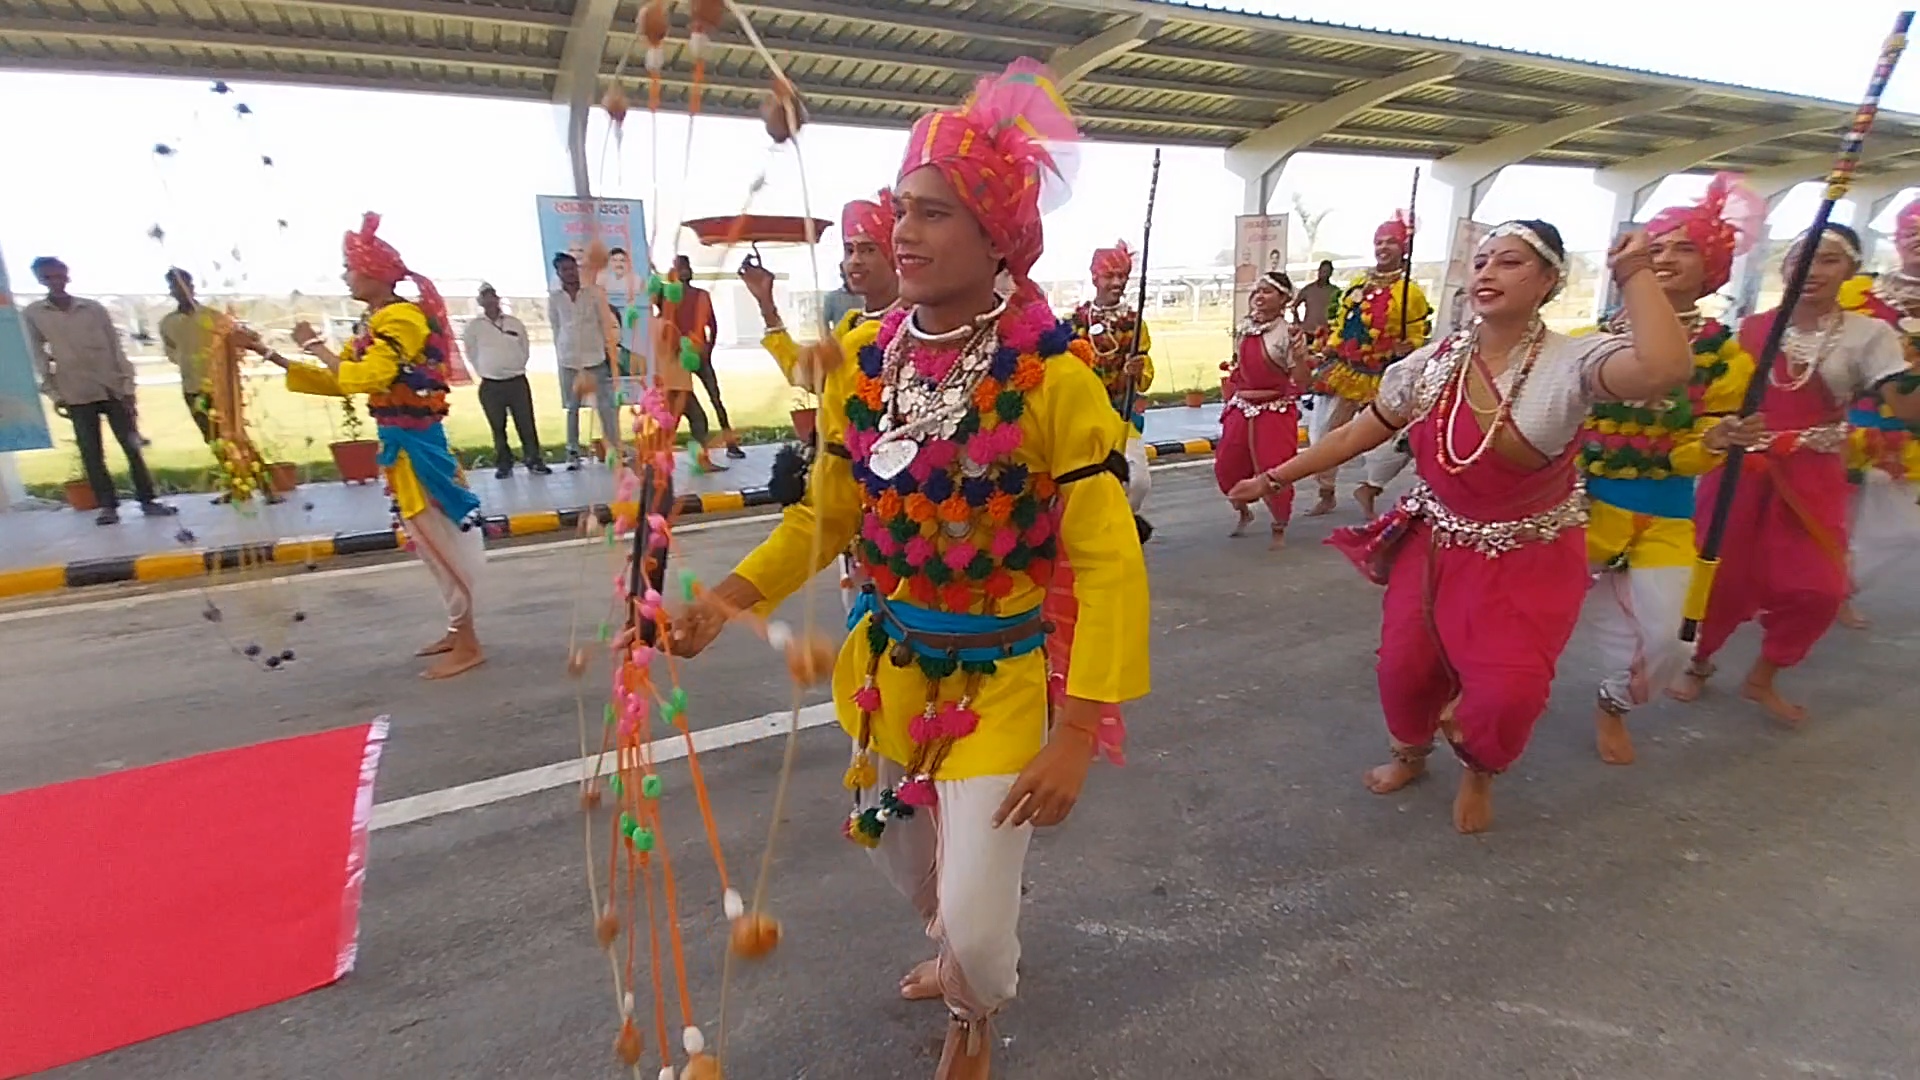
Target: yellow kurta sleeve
<point x="305" y="378"/>
<point x="1144" y="381"/>
<point x="1109" y="661"/>
<point x="790" y="555"/>
<point x="1419" y="316"/>
<point x="784" y="350"/>
<point x="1723" y="398"/>
<point x="373" y="370"/>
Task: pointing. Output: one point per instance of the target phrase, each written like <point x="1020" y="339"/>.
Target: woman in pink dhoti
<point x="1485" y="559"/>
<point x="1260" y="422"/>
<point x="1785" y="560"/>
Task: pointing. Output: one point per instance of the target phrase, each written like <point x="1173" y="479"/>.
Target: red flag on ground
<point x="150" y="900"/>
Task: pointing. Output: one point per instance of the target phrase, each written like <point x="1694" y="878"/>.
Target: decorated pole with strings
<point x="1140" y="310"/>
<point x="1838" y="181"/>
<point x="1406" y="257"/>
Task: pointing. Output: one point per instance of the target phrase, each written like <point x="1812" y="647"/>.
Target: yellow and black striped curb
<point x="311" y="551"/>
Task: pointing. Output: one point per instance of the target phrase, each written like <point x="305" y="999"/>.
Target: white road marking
<point x="480" y="793"/>
<point x="517" y="551"/>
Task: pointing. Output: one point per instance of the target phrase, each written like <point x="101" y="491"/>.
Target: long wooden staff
<point x="1140" y="309"/>
<point x="1406" y="257"/>
<point x="1700" y="589"/>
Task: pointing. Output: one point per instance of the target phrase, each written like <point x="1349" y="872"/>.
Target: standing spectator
<point x="696" y="320"/>
<point x="185" y="335"/>
<point x="1315" y="301"/>
<point x="840" y="301"/>
<point x="81" y="365"/>
<point x="497" y="345"/>
<point x="582" y="329"/>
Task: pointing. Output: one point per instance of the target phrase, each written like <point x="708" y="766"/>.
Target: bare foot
<point x="1246" y="519"/>
<point x="967" y="1055"/>
<point x="1394" y="775"/>
<point x="1851" y="618"/>
<point x="1693" y="683"/>
<point x="444" y="645"/>
<point x="1763" y="694"/>
<point x="1611" y="737"/>
<point x="1473" y="803"/>
<point x="1364" y="495"/>
<point x="1322" y="506"/>
<point x="1279" y="538"/>
<point x="922" y="983"/>
<point x="459" y="659"/>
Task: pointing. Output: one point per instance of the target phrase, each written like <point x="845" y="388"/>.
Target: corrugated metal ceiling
<point x="1208" y="75"/>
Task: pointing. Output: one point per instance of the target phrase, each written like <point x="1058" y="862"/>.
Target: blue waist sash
<point x="1667" y="497"/>
<point x="1871" y="418"/>
<point x="900" y="619"/>
<point x="434" y="466"/>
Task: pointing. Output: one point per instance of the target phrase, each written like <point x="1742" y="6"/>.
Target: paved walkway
<point x="55" y="548"/>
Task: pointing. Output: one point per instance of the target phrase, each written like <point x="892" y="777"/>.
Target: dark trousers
<point x="711" y="381"/>
<point x="687" y="405"/>
<point x="200" y="407"/>
<point x="498" y="397"/>
<point x="93" y="454"/>
<point x="656" y="492"/>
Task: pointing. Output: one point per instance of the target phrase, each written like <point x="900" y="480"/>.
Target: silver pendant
<point x="890" y="457"/>
<point x="1096" y="329"/>
<point x="970" y="467"/>
<point x="958" y="530"/>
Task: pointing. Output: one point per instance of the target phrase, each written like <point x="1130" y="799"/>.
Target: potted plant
<point x="804" y="410"/>
<point x="1196" y="397"/>
<point x="80" y="491"/>
<point x="284" y="475"/>
<point x="357" y="458"/>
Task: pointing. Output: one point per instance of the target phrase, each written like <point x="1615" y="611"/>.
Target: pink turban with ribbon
<point x="1907" y="221"/>
<point x="367" y="254"/>
<point x="1396" y="228"/>
<point x="1727" y="221"/>
<point x="1117" y="259"/>
<point x="864" y="219"/>
<point x="997" y="150"/>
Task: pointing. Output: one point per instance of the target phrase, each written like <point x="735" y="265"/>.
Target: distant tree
<point x="1310" y="221"/>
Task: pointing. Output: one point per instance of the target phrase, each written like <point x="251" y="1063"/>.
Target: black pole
<point x="1140" y="309"/>
<point x="1838" y="181"/>
<point x="1406" y="258"/>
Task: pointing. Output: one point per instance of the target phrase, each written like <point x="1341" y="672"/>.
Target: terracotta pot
<point x="80" y="495"/>
<point x="803" y="423"/>
<point x="284" y="475"/>
<point x="357" y="460"/>
<point x="599" y="449"/>
<point x="1196" y="398"/>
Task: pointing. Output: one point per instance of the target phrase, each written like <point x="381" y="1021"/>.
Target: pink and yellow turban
<point x="1396" y="228"/>
<point x="994" y="150"/>
<point x="1907" y="221"/>
<point x="864" y="219"/>
<point x="367" y="254"/>
<point x="1727" y="221"/>
<point x="1117" y="259"/>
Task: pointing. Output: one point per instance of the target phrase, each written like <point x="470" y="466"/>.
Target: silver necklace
<point x="1806" y="350"/>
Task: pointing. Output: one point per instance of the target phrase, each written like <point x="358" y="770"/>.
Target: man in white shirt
<point x="583" y="333"/>
<point x="496" y="345"/>
<point x="81" y="365"/>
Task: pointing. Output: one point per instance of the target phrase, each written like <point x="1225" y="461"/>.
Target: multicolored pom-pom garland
<point x="1627" y="441"/>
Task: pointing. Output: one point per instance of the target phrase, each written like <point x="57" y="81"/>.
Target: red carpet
<point x="151" y="900"/>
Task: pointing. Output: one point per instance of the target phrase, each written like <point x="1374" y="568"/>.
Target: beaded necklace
<point x="1805" y="350"/>
<point x="1536" y="336"/>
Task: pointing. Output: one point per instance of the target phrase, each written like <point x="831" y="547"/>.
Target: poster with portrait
<point x="571" y="225"/>
<point x="1259" y="245"/>
<point x="23" y="422"/>
<point x="1452" y="301"/>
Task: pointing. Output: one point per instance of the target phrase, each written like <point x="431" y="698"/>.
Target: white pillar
<point x="1466" y="198"/>
<point x="1258" y="190"/>
<point x="1751" y="269"/>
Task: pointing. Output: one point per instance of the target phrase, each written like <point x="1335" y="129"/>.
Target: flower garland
<point x="1362" y="346"/>
<point x="919" y="527"/>
<point x="1628" y="440"/>
<point x="1118" y="328"/>
<point x="1886" y="444"/>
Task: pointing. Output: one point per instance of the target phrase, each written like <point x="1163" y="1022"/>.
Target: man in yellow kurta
<point x="1121" y="348"/>
<point x="977" y="453"/>
<point x="404" y="361"/>
<point x="1383" y="316"/>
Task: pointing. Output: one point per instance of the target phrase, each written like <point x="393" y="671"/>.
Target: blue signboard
<point x="23" y="423"/>
<point x="571" y="225"/>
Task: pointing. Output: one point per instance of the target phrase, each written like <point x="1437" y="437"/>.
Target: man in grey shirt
<point x="81" y="365"/>
<point x="583" y="330"/>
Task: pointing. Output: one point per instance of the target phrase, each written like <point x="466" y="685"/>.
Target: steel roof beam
<point x="1072" y="62"/>
<point x="1268" y="149"/>
<point x="437" y="9"/>
<point x="1474" y="166"/>
<point x="577" y="83"/>
<point x="1784" y="176"/>
<point x="915" y="17"/>
<point x="1631" y="181"/>
<point x="189" y="37"/>
<point x="278" y="75"/>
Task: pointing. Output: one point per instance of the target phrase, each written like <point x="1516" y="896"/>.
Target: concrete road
<point x="1739" y="905"/>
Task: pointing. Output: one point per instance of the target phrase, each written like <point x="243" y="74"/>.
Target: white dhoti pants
<point x="1384" y="462"/>
<point x="963" y="877"/>
<point x="1635" y="615"/>
<point x="1139" y="480"/>
<point x="1885" y="527"/>
<point x="454" y="557"/>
